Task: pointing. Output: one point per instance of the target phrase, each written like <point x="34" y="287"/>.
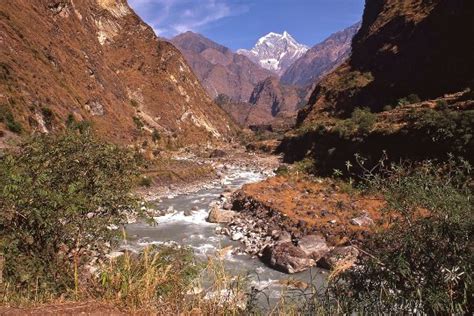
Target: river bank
<point x="183" y="219"/>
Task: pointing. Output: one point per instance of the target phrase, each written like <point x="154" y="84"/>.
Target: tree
<point x="59" y="194"/>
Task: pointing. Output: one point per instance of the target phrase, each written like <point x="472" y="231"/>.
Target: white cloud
<point x="170" y="17"/>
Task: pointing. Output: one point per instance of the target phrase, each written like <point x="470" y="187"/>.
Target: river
<point x="194" y="231"/>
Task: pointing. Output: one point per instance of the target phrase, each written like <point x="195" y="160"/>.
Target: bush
<point x="361" y="122"/>
<point x="6" y="117"/>
<point x="441" y="105"/>
<point x="58" y="195"/>
<point x="138" y="122"/>
<point x="413" y="98"/>
<point x="144" y="280"/>
<point x="423" y="262"/>
<point x="364" y="119"/>
<point x="455" y="128"/>
<point x="155" y="136"/>
<point x="146" y="182"/>
<point x="48" y="116"/>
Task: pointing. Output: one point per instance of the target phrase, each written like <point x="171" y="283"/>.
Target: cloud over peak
<point x="171" y="17"/>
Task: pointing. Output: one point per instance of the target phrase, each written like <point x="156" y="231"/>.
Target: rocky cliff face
<point x="270" y="100"/>
<point x="275" y="52"/>
<point x="96" y="60"/>
<point x="218" y="68"/>
<point x="403" y="47"/>
<point x="321" y="58"/>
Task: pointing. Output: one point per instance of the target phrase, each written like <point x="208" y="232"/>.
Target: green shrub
<point x="138" y="122"/>
<point x="402" y="102"/>
<point x="48" y="116"/>
<point x="12" y="124"/>
<point x="413" y="98"/>
<point x="144" y="280"/>
<point x="59" y="193"/>
<point x="155" y="136"/>
<point x="6" y="117"/>
<point x="364" y="119"/>
<point x="441" y="105"/>
<point x="134" y="103"/>
<point x="145" y="182"/>
<point x="423" y="262"/>
<point x="282" y="171"/>
<point x="361" y="122"/>
<point x="455" y="128"/>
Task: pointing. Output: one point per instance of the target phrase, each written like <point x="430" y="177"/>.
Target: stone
<point x="188" y="212"/>
<point x="114" y="254"/>
<point x="227" y="206"/>
<point x="216" y="215"/>
<point x="287" y="258"/>
<point x="217" y="153"/>
<point x="363" y="220"/>
<point x="237" y="236"/>
<point x="340" y="256"/>
<point x="284" y="236"/>
<point x="314" y="246"/>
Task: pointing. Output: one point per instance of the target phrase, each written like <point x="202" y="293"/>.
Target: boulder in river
<point x="216" y="215"/>
<point x="314" y="246"/>
<point x="287" y="258"/>
<point x="340" y="256"/>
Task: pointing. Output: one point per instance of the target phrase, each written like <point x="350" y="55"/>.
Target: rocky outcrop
<point x="321" y="58"/>
<point x="220" y="70"/>
<point x="97" y="61"/>
<point x="272" y="100"/>
<point x="402" y="48"/>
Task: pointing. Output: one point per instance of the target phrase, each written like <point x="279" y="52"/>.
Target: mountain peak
<point x="275" y="52"/>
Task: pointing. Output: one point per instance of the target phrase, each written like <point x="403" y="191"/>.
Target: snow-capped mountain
<point x="275" y="52"/>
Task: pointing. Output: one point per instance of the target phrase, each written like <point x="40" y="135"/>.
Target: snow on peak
<point x="281" y="49"/>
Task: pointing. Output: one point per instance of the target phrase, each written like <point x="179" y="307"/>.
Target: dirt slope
<point x="97" y="60"/>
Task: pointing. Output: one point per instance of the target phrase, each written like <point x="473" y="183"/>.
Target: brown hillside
<point x="403" y="47"/>
<point x="97" y="60"/>
<point x="219" y="69"/>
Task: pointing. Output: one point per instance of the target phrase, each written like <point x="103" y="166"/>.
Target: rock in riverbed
<point x="216" y="215"/>
<point x="340" y="256"/>
<point x="314" y="246"/>
<point x="287" y="258"/>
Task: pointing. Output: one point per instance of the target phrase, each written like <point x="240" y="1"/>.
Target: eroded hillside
<point x="402" y="48"/>
<point x="95" y="60"/>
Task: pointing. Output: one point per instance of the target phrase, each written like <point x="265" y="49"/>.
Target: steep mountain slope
<point x="271" y="99"/>
<point x="96" y="60"/>
<point x="403" y="47"/>
<point x="271" y="103"/>
<point x="406" y="92"/>
<point x="275" y="52"/>
<point x="218" y="68"/>
<point x="321" y="58"/>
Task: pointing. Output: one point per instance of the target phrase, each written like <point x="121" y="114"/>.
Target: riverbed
<point x="195" y="232"/>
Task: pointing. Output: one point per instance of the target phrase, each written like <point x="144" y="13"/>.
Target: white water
<point x="195" y="232"/>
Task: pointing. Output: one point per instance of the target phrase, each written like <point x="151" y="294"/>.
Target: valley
<point x="148" y="169"/>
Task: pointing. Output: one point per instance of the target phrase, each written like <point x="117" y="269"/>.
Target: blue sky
<point x="239" y="23"/>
